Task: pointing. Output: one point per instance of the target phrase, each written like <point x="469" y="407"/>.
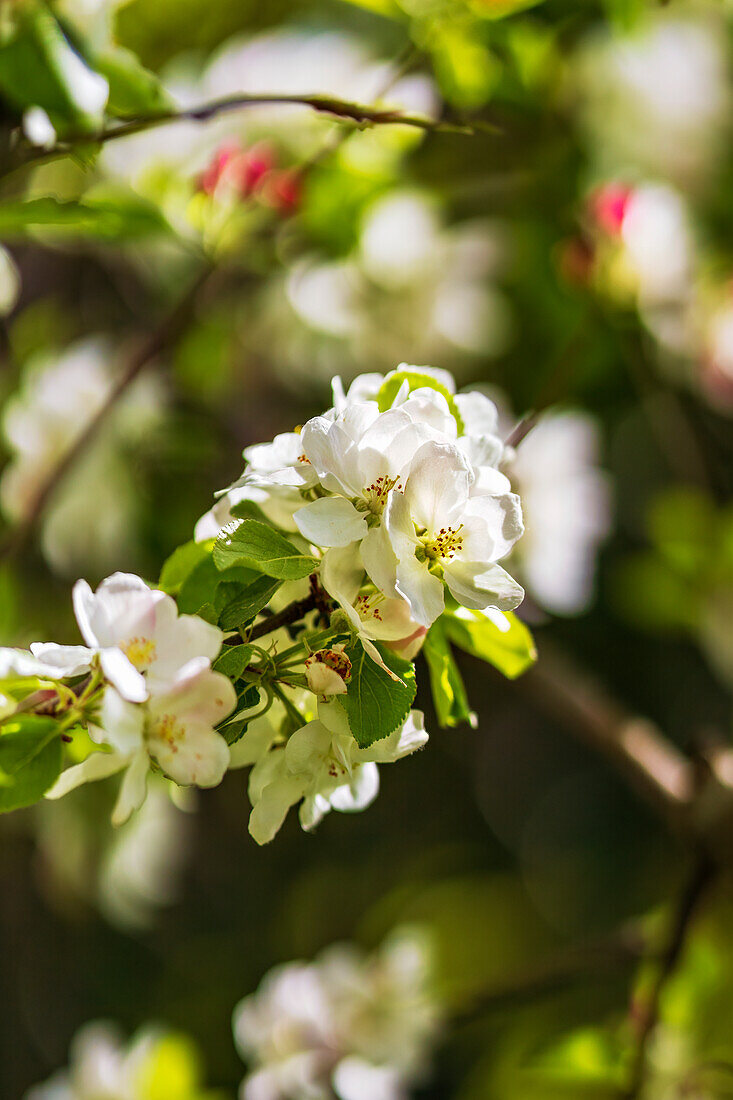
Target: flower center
<point x="445" y="544"/>
<point x="167" y="728"/>
<point x="366" y="606"/>
<point x="375" y="494"/>
<point x="140" y="652"/>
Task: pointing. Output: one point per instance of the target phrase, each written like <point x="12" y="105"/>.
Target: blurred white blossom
<point x="360" y="1026"/>
<point x="656" y="98"/>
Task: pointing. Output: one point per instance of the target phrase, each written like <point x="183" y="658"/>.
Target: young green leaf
<point x="30" y="760"/>
<point x="109" y="217"/>
<point x="233" y="660"/>
<point x="446" y="682"/>
<point x="512" y="651"/>
<point x="248" y="603"/>
<point x="416" y="379"/>
<point x="202" y="584"/>
<point x="374" y="703"/>
<point x="181" y="563"/>
<point x="133" y="89"/>
<point x="248" y="542"/>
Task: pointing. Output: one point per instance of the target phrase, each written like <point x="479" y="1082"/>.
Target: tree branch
<point x="645" y="1015"/>
<point x="359" y="114"/>
<point x="165" y="334"/>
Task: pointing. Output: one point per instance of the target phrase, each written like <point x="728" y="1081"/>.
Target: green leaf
<point x="39" y="67"/>
<point x="375" y="703"/>
<point x="416" y="379"/>
<point x="233" y="660"/>
<point x="202" y="584"/>
<point x="30" y="760"/>
<point x="249" y="542"/>
<point x="105" y="216"/>
<point x="133" y="89"/>
<point x="511" y="651"/>
<point x="181" y="563"/>
<point x="446" y="682"/>
<point x="243" y="608"/>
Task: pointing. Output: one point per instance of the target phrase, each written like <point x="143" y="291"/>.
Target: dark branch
<point x="162" y="337"/>
<point x="645" y="1015"/>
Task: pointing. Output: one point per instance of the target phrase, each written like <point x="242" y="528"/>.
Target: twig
<point x="153" y="346"/>
<point x="645" y="1015"/>
<point x="357" y="113"/>
<point x="651" y="763"/>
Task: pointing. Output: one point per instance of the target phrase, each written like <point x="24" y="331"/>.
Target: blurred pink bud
<point x="608" y="205"/>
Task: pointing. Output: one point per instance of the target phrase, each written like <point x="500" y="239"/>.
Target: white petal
<point x="272" y="807"/>
<point x="478" y="585"/>
<point x="380" y="559"/>
<point x="422" y="590"/>
<point x="82" y="598"/>
<point x="342" y="572"/>
<point x="98" y="765"/>
<point x="133" y="788"/>
<point x="360" y="792"/>
<point x="123" y="675"/>
<point x="438" y="485"/>
<point x="199" y="757"/>
<point x="66" y="660"/>
<point x="331" y="521"/>
<point x="120" y="722"/>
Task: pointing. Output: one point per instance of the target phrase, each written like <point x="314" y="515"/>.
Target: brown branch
<point x="165" y="334"/>
<point x="645" y="1015"/>
<point x="652" y="764"/>
<point x="359" y="114"/>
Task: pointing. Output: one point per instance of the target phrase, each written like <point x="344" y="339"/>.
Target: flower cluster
<point x="157" y="698"/>
<point x="398" y="485"/>
<point x="343" y="543"/>
<point x="347" y="1024"/>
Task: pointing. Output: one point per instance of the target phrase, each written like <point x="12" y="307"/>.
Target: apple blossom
<point x="354" y="1026"/>
<point x="437" y="530"/>
<point x="174" y="728"/>
<point x="322" y="765"/>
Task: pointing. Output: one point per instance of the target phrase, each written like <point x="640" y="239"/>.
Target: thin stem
<point x="645" y="1015"/>
<point x="357" y="113"/>
<point x="165" y="334"/>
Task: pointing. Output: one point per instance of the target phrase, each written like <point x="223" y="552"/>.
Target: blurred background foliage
<point x="575" y="250"/>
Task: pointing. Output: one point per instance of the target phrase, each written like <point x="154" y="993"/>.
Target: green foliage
<point x="39" y="67"/>
<point x="133" y="89"/>
<point x="181" y="563"/>
<point x="248" y="603"/>
<point x="251" y="543"/>
<point x="511" y="651"/>
<point x="375" y="703"/>
<point x="30" y="760"/>
<point x="449" y="692"/>
<point x="233" y="660"/>
<point x="104" y="216"/>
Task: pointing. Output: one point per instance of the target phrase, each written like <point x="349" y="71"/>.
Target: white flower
<point x="322" y="765"/>
<point x="140" y="639"/>
<point x="348" y="1024"/>
<point x="359" y="457"/>
<point x="174" y="728"/>
<point x="437" y="530"/>
<point x="327" y="671"/>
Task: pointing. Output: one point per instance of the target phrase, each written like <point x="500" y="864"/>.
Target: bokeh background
<point x="575" y="252"/>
